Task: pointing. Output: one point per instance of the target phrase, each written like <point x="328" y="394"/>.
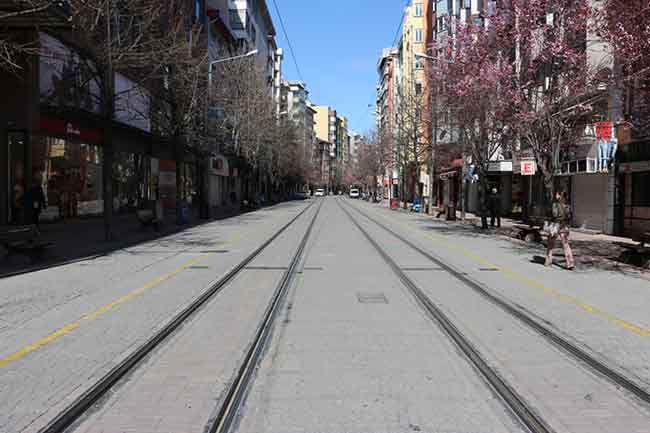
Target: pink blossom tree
<point x="482" y="96"/>
<point x="554" y="81"/>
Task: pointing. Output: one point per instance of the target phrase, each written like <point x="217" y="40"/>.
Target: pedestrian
<point x="494" y="205"/>
<point x="559" y="227"/>
<point x="35" y="201"/>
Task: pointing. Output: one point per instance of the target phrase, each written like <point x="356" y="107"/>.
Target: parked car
<point x="300" y="195"/>
<point x="320" y="192"/>
<point x="354" y="193"/>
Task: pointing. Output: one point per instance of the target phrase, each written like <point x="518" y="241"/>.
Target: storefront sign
<point x="63" y="128"/>
<point x="528" y="168"/>
<point x="500" y="166"/>
<point x="635" y="167"/>
<point x="219" y="166"/>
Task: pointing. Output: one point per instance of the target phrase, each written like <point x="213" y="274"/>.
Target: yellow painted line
<point x="515" y="276"/>
<point x="106" y="308"/>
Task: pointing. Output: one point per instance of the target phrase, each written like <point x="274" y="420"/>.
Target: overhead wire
<point x="286" y="36"/>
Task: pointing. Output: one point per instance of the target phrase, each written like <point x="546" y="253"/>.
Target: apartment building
<point x="296" y="106"/>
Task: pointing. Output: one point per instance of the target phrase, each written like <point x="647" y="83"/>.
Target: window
<point x="419" y="63"/>
<point x="236" y="22"/>
<point x="640" y="190"/>
<point x="418" y="35"/>
<point x="418" y="10"/>
<point x="418" y="89"/>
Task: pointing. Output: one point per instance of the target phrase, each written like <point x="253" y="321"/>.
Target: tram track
<point x="528" y="417"/>
<point x="73" y="412"/>
<point x="602" y="369"/>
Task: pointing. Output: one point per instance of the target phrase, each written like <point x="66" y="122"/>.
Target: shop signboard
<point x="500" y="166"/>
<point x="219" y="165"/>
<point x="528" y="167"/>
<point x="635" y="167"/>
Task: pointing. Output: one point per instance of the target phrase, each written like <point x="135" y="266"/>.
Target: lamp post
<point x="434" y="145"/>
<point x="205" y="204"/>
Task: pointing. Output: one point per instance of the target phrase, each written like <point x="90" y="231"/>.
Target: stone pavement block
<point x="337" y="365"/>
<point x="603" y="310"/>
<point x="73" y="361"/>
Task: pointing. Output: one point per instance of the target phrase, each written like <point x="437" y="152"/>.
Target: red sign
<point x="528" y="168"/>
<point x="604" y="130"/>
<point x="70" y="129"/>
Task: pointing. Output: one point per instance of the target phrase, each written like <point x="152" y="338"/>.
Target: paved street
<point x="351" y="350"/>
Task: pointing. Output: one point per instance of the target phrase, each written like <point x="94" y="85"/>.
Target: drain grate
<point x="372" y="298"/>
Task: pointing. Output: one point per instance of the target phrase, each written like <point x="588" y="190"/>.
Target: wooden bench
<point x="147" y="217"/>
<point x="530" y="232"/>
<point x="23" y="240"/>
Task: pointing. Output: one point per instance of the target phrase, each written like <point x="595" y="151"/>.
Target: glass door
<point x="17" y="180"/>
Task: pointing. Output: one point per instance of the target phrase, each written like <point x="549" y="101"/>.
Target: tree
<point x="247" y="127"/>
<point x="554" y="81"/>
<point x="25" y="14"/>
<point x="625" y="26"/>
<point x="479" y="82"/>
<point x="135" y="39"/>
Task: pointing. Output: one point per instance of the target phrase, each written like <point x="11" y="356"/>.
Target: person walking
<point x="35" y="201"/>
<point x="494" y="205"/>
<point x="559" y="227"/>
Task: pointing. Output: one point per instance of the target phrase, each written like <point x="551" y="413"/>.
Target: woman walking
<point x="559" y="227"/>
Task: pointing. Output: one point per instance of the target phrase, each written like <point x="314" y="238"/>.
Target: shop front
<point x="66" y="161"/>
<point x="634" y="182"/>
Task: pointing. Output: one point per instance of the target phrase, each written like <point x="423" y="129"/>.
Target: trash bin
<point x="393" y="203"/>
<point x="184" y="214"/>
<point x="450" y="214"/>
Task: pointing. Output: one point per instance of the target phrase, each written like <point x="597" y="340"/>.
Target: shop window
<point x="640" y="190"/>
<point x="71" y="175"/>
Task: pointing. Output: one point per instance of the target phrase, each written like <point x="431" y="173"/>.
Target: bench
<point x="637" y="254"/>
<point x="23" y="240"/>
<point x="147" y="218"/>
<point x="530" y="232"/>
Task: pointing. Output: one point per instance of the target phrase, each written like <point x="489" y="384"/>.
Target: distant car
<point x="354" y="193"/>
<point x="300" y="195"/>
<point x="320" y="192"/>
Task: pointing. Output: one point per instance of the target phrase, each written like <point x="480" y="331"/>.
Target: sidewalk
<point x="79" y="238"/>
<point x="590" y="248"/>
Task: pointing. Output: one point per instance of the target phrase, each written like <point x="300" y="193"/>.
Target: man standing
<point x="494" y="204"/>
<point x="35" y="201"/>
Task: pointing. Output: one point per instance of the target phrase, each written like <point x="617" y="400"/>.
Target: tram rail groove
<point x="68" y="416"/>
<point x="617" y="378"/>
<point x="517" y="404"/>
<point x="236" y="393"/>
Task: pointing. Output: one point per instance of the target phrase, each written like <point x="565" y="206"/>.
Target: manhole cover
<point x="372" y="298"/>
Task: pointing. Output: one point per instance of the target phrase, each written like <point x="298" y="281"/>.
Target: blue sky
<point x="337" y="45"/>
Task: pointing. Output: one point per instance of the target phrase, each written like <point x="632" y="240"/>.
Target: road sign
<point x="528" y="168"/>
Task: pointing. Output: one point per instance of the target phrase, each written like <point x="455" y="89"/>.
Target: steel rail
<point x="526" y="415"/>
<point x="615" y="377"/>
<point x="236" y="393"/>
<point x="76" y="409"/>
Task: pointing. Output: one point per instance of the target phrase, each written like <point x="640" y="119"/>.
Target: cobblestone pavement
<point x="602" y="309"/>
<point x="63" y="328"/>
<point x="561" y="390"/>
<point x="351" y="352"/>
<point x="181" y="385"/>
<point x="343" y="362"/>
